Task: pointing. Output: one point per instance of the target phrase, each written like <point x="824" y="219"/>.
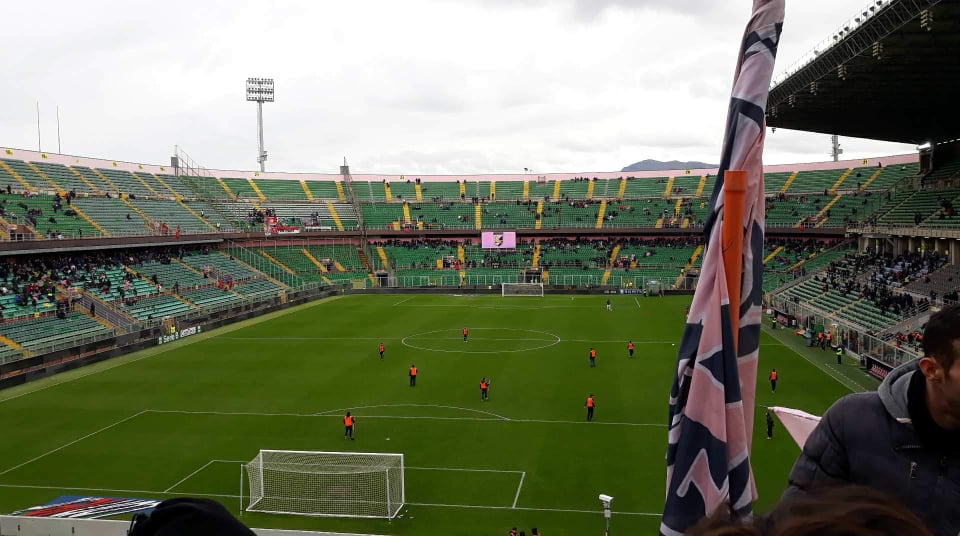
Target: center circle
<point x="481" y="340"/>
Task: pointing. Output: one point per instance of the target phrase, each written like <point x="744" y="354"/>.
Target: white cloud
<point x="400" y="87"/>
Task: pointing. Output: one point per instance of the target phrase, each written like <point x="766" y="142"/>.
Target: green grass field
<point x="178" y="419"/>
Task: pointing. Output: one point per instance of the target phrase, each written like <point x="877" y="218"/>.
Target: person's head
<point x="774" y="370"/>
<point x="348" y="414"/>
<point x="827" y="511"/>
<point x="534" y="532"/>
<point x="940" y="364"/>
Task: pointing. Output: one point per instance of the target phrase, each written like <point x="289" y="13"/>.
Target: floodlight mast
<point x="260" y="90"/>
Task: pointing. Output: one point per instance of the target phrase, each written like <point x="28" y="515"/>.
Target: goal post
<point x="331" y="484"/>
<point x="521" y="289"/>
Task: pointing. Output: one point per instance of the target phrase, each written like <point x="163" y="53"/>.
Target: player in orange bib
<point x="593" y="358"/>
<point x="381" y="351"/>
<point x="630" y="348"/>
<point x="773" y="380"/>
<point x="465" y="333"/>
<point x="348" y="426"/>
<point x="413" y="375"/>
<point x="484" y="387"/>
<point x="590" y="404"/>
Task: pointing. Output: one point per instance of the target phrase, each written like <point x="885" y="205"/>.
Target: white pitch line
<point x="840" y="379"/>
<point x="531" y="509"/>
<point x="467" y="470"/>
<point x="498" y="418"/>
<point x="638" y="302"/>
<point x="227" y="496"/>
<point x="75" y="441"/>
<point x="184" y="479"/>
<point x="352" y="408"/>
<point x="404" y="301"/>
<point x="519" y="486"/>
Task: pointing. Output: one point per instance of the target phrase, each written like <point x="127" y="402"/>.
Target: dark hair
<point x="846" y="511"/>
<point x="826" y="511"/>
<point x="943" y="330"/>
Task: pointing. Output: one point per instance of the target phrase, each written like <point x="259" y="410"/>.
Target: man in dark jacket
<point x="903" y="439"/>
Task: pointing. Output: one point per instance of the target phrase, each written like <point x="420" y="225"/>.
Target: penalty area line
<point x="519" y="487"/>
<point x="74" y="442"/>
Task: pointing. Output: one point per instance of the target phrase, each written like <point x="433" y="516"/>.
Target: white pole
<point x="389" y="510"/>
<point x="38" y="127"/>
<point x="260" y="158"/>
<point x="241" y="490"/>
<point x="58" y="130"/>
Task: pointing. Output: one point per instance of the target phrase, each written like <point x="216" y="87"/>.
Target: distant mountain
<point x="656" y="165"/>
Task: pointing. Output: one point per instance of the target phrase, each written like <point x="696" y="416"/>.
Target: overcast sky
<point x="396" y="87"/>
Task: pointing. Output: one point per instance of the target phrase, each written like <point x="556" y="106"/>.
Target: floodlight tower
<point x="260" y="90"/>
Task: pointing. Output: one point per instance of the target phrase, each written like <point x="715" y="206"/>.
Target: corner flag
<point x="712" y="398"/>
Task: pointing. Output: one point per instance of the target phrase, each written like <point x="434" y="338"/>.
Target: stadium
<point x="175" y="330"/>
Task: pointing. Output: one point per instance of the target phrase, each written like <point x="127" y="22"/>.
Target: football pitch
<point x="180" y="418"/>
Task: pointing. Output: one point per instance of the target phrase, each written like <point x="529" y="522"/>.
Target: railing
<point x="452" y="279"/>
<point x="853" y="336"/>
<point x="910" y="230"/>
<point x="265" y="266"/>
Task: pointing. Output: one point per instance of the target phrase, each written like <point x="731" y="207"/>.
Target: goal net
<point x="340" y="484"/>
<point x="522" y="289"/>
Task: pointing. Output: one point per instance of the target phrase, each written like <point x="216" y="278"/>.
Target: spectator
<point x="903" y="438"/>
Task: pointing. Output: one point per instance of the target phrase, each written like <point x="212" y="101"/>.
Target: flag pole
<point x="731" y="232"/>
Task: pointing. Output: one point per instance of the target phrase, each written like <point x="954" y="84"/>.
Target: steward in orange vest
<point x="590" y="404"/>
<point x="348" y="426"/>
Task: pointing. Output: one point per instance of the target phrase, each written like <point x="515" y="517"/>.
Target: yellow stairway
<point x="786" y="185"/>
<point x="668" y="189"/>
<point x="335" y="216"/>
<point x="256" y="190"/>
<point x="306" y="190"/>
<point x="600" y="213"/>
<point x="703" y="182"/>
<point x="383" y="257"/>
<point x="872" y="178"/>
<point x="16" y="176"/>
<point x="833" y="189"/>
<point x="230" y="194"/>
<point x="772" y="254"/>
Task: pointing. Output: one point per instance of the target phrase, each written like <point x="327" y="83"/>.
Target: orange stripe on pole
<point x="731" y="238"/>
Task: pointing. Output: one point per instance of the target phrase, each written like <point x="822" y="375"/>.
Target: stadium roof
<point x="892" y="73"/>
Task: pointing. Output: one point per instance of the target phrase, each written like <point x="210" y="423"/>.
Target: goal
<point x="522" y="289"/>
<point x="333" y="484"/>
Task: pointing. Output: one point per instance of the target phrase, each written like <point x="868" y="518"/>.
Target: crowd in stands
<point x="34" y="215"/>
<point x="876" y="277"/>
<point x="36" y="280"/>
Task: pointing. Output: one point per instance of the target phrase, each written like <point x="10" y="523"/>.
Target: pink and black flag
<point x="712" y="398"/>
